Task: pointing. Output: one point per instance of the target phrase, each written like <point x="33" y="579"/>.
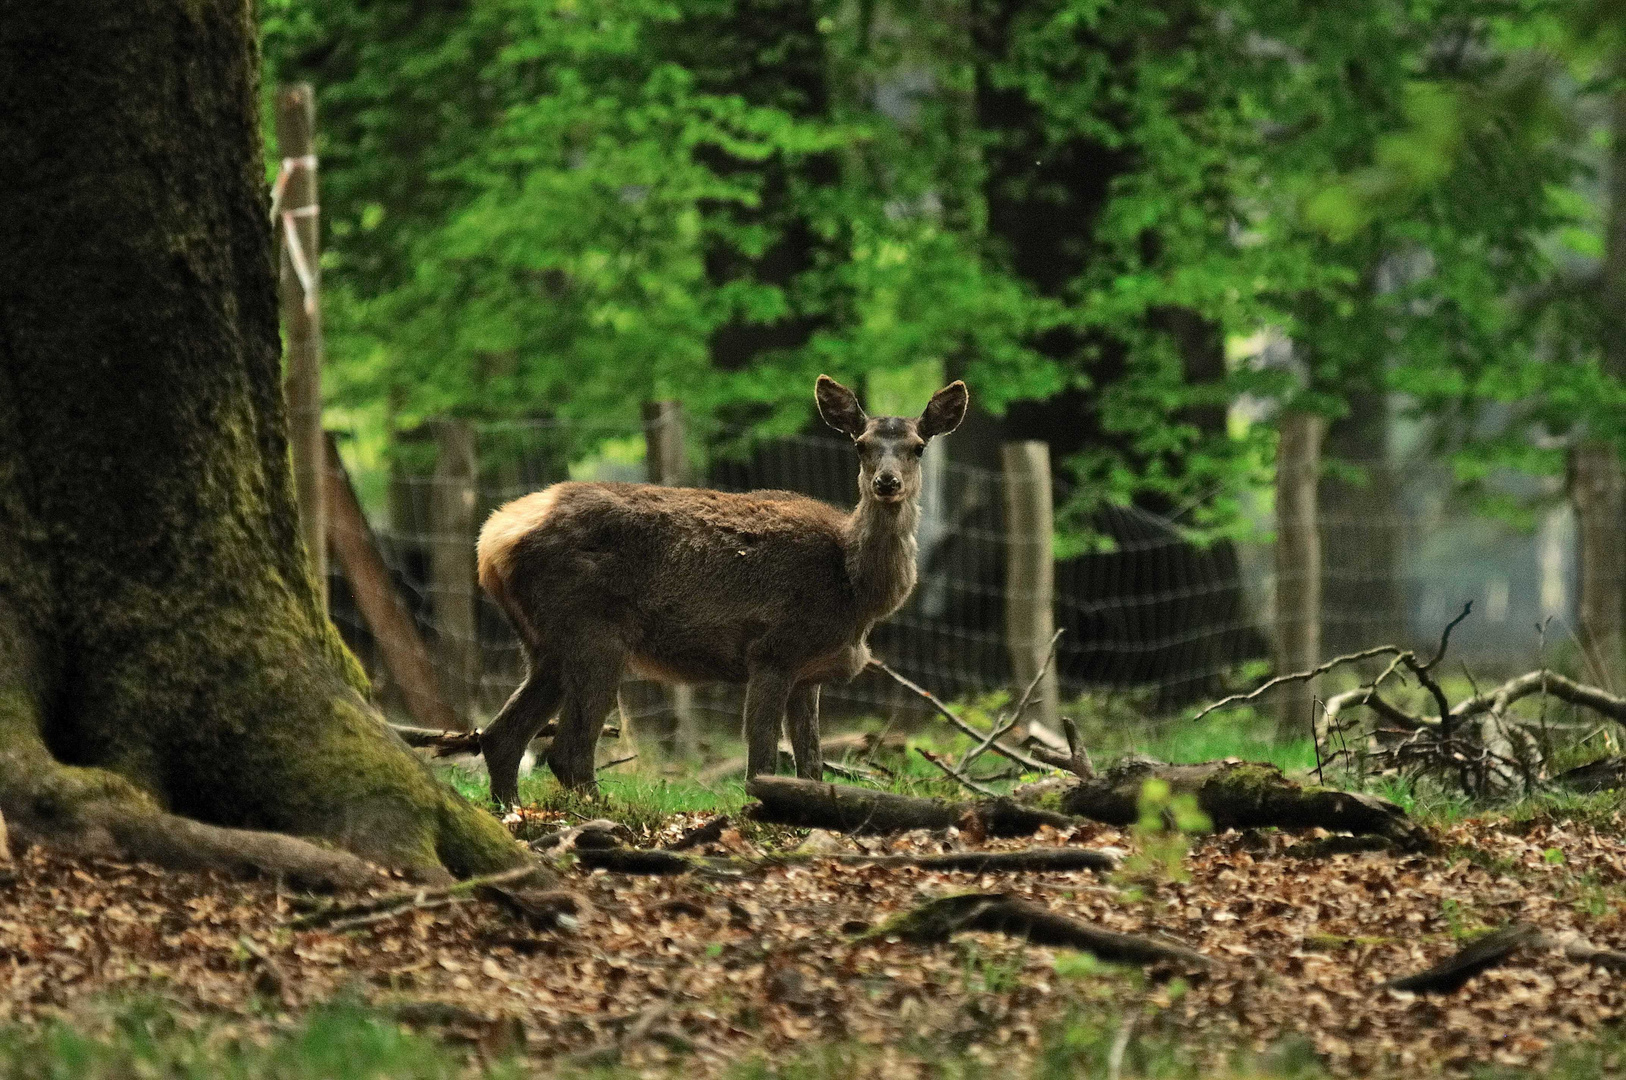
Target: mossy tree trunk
<point x="168" y="677"/>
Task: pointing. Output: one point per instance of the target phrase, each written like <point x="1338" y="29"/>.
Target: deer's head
<point x="889" y="447"/>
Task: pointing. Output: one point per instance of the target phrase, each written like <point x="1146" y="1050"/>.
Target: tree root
<point x="95" y="813"/>
<point x="937" y="920"/>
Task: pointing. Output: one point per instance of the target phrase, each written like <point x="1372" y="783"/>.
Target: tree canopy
<point x="562" y="206"/>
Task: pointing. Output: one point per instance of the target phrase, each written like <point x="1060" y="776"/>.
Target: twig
<point x="394" y="903"/>
<point x="949" y="715"/>
<point x="1300" y="676"/>
<point x="1000" y="730"/>
<point x="617" y="761"/>
<point x="445" y="743"/>
<point x="1445" y="635"/>
<point x="1082" y="766"/>
<point x="955" y="774"/>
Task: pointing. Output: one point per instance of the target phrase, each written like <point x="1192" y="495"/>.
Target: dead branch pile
<point x="1479" y="744"/>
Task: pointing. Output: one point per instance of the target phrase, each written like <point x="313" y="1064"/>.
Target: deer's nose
<point x="888" y="484"/>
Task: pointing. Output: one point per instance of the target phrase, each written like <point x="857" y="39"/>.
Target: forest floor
<point x="702" y="976"/>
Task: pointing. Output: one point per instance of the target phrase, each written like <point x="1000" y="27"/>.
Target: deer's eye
<point x="920" y="449"/>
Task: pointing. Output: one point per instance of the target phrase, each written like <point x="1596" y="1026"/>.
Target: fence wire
<point x="1149" y="612"/>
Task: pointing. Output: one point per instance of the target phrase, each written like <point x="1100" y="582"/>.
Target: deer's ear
<point x="839" y="407"/>
<point x="945" y="410"/>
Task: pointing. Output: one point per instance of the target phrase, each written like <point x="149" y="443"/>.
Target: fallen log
<point x="623" y="860"/>
<point x="1238" y="795"/>
<point x="938" y="920"/>
<point x="1605" y="774"/>
<point x="810" y="804"/>
<point x="1479" y="955"/>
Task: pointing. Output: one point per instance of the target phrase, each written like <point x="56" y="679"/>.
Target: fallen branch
<point x="700" y="835"/>
<point x="1581" y="951"/>
<point x="842" y="808"/>
<point x="954" y="774"/>
<point x="1079" y="763"/>
<point x="1239" y="795"/>
<point x="938" y="920"/>
<point x="330" y="916"/>
<point x="856" y="740"/>
<point x="960" y="725"/>
<point x="1605" y="774"/>
<point x="1479" y="955"/>
<point x="445" y="743"/>
<point x="1299" y="676"/>
<point x="1036" y="860"/>
<point x="1000" y="730"/>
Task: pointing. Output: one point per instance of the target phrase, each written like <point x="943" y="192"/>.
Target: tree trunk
<point x="1599" y="490"/>
<point x="1598" y="483"/>
<point x="163" y="648"/>
<point x="1359" y="530"/>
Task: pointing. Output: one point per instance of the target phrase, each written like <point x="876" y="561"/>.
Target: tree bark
<point x="1597" y="480"/>
<point x="1598" y="487"/>
<point x="164" y="654"/>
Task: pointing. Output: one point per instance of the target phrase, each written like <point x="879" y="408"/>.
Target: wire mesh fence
<point x="1146" y="610"/>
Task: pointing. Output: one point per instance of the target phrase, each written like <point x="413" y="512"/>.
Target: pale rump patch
<point x="501" y="534"/>
<point x="645" y="668"/>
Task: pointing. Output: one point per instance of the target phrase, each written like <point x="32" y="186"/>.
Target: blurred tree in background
<point x="1086" y="208"/>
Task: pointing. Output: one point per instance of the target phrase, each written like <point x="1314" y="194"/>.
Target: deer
<point x="770" y="589"/>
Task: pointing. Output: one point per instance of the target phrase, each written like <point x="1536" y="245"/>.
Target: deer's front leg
<point x="802" y="717"/>
<point x="765" y="698"/>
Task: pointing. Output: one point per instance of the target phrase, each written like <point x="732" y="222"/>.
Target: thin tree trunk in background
<point x="1597" y="481"/>
<point x="300" y="284"/>
<point x="1361" y="599"/>
<point x="1298" y="568"/>
<point x="1030" y="575"/>
<point x="1597" y="487"/>
<point x="666" y="461"/>
<point x="453" y="502"/>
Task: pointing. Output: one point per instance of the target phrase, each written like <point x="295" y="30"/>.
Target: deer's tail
<point x="497" y="549"/>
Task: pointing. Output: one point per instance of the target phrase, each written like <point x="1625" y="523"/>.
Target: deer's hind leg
<point x="766" y="696"/>
<point x="503" y="741"/>
<point x="590" y="682"/>
<point x="802" y="718"/>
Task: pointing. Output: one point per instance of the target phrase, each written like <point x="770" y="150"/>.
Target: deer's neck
<point x="881" y="554"/>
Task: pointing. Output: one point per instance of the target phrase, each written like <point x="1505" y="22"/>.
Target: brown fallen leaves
<point x="697" y="973"/>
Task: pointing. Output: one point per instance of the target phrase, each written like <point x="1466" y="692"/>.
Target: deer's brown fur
<point x="771" y="589"/>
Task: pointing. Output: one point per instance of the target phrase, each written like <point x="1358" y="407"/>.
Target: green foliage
<point x="1163" y="834"/>
<point x="560" y="207"/>
<point x="149" y="1037"/>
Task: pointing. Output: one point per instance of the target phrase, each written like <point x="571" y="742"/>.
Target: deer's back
<point x="692" y="580"/>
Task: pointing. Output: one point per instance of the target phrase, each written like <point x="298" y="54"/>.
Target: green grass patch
<point x="148" y="1037"/>
<point x="115" y="1039"/>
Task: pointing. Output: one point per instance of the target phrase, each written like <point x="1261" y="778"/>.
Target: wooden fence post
<point x="666" y="461"/>
<point x="453" y="498"/>
<point x="1030" y="573"/>
<point x="296" y="208"/>
<point x="1298" y="568"/>
<point x="402" y="650"/>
